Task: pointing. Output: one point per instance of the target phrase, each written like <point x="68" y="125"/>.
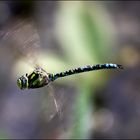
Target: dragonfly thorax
<point x="38" y="78"/>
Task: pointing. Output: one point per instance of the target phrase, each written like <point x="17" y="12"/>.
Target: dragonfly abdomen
<point x="86" y="69"/>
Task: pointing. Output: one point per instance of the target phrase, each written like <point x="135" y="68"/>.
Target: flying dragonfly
<point x="39" y="77"/>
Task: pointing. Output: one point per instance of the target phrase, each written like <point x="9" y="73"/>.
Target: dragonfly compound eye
<point x="22" y="82"/>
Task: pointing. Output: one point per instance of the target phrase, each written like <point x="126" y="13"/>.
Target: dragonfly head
<point x="22" y="82"/>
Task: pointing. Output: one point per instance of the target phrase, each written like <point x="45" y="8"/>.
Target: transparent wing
<point x="54" y="106"/>
<point x="58" y="108"/>
<point x="22" y="37"/>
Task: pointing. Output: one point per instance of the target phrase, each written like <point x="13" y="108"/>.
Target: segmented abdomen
<point x="86" y="69"/>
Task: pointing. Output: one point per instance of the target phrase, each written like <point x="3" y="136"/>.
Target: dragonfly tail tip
<point x="120" y="66"/>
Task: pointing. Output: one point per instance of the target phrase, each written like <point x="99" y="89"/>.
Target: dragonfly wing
<point x="23" y="37"/>
<point x="58" y="108"/>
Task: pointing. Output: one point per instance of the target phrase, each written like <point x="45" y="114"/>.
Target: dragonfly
<point x="39" y="77"/>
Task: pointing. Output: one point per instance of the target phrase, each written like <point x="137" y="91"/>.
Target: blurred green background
<point x="58" y="36"/>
